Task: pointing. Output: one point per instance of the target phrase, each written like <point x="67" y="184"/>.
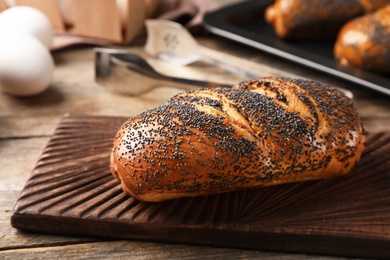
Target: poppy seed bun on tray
<point x="316" y="19"/>
<point x="365" y="41"/>
<point x="261" y="132"/>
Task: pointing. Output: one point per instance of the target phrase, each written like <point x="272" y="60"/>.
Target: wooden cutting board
<point x="72" y="192"/>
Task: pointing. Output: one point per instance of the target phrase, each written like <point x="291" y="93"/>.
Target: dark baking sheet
<point x="244" y="23"/>
<point x="72" y="192"/>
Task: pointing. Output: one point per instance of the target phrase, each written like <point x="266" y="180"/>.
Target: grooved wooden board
<point x="71" y="191"/>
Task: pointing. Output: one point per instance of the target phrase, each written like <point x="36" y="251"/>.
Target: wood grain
<point x="71" y="192"/>
<point x="137" y="250"/>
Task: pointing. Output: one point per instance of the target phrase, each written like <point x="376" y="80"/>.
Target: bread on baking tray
<point x="365" y="42"/>
<point x="302" y="19"/>
<point x="261" y="132"/>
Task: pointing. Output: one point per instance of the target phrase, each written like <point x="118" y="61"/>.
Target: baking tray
<point x="72" y="192"/>
<point x="244" y="23"/>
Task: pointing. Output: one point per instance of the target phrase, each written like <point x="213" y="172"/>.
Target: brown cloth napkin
<point x="189" y="13"/>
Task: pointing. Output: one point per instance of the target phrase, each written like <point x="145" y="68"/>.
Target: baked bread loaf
<point x="316" y="19"/>
<point x="365" y="42"/>
<point x="260" y="132"/>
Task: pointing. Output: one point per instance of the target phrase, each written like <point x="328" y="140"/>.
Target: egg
<point x="26" y="65"/>
<point x="27" y="20"/>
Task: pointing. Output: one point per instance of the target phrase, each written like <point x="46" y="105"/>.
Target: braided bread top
<point x="258" y="133"/>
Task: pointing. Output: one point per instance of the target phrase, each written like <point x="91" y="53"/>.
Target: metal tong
<point x="129" y="73"/>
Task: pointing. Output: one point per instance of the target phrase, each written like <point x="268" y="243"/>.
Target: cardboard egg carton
<point x="119" y="21"/>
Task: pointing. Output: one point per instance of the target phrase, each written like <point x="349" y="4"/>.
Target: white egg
<point x="26" y="65"/>
<point x="27" y="20"/>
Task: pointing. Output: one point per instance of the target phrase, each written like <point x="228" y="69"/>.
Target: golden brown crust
<point x="302" y="19"/>
<point x="260" y="132"/>
<point x="364" y="42"/>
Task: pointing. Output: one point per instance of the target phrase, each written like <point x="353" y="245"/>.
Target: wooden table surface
<point x="26" y="125"/>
